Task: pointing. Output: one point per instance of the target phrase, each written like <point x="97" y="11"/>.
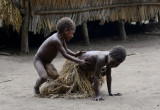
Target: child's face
<point x="112" y="62"/>
<point x="69" y="34"/>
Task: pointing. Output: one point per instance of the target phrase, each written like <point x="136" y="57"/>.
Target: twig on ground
<point x="6" y="80"/>
<point x="131" y="54"/>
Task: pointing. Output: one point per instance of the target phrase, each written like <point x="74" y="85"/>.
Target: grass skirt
<point x="73" y="82"/>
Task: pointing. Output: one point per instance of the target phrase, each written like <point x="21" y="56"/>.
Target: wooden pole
<point x="85" y="33"/>
<point x="0" y="22"/>
<point x="122" y="32"/>
<point x="24" y="31"/>
<point x="159" y="19"/>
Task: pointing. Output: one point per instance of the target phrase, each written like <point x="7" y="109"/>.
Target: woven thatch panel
<point x="48" y="12"/>
<point x="10" y="14"/>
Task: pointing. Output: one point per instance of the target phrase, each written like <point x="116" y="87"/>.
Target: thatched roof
<point x="10" y="14"/>
<point x="48" y="12"/>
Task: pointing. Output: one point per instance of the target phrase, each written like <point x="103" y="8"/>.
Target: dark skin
<point x="49" y="50"/>
<point x="96" y="61"/>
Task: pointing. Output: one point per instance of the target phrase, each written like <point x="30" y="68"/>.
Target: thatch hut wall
<point x="48" y="12"/>
<point x="10" y="14"/>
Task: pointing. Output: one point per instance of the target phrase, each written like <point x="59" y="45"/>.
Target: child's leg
<point x="42" y="75"/>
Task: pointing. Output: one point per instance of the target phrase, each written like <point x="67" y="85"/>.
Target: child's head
<point x="66" y="27"/>
<point x="116" y="56"/>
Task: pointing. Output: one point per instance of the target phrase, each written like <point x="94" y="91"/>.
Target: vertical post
<point x="158" y="21"/>
<point x="24" y="31"/>
<point x="0" y="22"/>
<point x="122" y="32"/>
<point x="85" y="33"/>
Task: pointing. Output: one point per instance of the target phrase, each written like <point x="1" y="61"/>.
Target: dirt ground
<point x="138" y="79"/>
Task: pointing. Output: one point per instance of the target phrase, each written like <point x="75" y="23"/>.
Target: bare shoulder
<point x="101" y="57"/>
<point x="54" y="39"/>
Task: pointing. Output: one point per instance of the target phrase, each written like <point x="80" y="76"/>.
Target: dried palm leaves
<point x="73" y="82"/>
<point x="10" y="14"/>
<point x="48" y="12"/>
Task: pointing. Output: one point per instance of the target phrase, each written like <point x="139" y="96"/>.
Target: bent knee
<point x="35" y="60"/>
<point x="44" y="77"/>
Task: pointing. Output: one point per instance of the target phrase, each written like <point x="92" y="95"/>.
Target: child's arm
<point x="59" y="46"/>
<point x="67" y="50"/>
<point x="109" y="81"/>
<point x="70" y="52"/>
<point x="96" y="81"/>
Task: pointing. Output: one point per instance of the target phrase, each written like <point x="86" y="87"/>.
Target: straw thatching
<point x="10" y="14"/>
<point x="48" y="12"/>
<point x="73" y="82"/>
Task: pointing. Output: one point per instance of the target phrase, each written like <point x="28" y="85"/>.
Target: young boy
<point x="100" y="59"/>
<point x="50" y="48"/>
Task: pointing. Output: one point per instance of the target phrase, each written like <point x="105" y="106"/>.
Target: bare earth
<point x="138" y="79"/>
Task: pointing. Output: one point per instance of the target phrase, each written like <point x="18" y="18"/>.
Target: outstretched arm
<point x="62" y="50"/>
<point x="64" y="53"/>
<point x="67" y="50"/>
<point x="109" y="81"/>
<point x="96" y="81"/>
<point x="70" y="52"/>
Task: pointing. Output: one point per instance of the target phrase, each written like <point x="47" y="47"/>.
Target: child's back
<point x="48" y="51"/>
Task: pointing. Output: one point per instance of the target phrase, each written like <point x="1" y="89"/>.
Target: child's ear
<point x="65" y="30"/>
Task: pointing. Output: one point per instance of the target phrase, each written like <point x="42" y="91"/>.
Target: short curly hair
<point x="118" y="53"/>
<point x="64" y="23"/>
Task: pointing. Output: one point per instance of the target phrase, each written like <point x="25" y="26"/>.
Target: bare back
<point x="94" y="58"/>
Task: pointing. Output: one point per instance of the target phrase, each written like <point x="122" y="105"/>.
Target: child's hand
<point x="79" y="53"/>
<point x="98" y="98"/>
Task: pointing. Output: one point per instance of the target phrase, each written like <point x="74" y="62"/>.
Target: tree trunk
<point x="85" y="33"/>
<point x="122" y="32"/>
<point x="24" y="32"/>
